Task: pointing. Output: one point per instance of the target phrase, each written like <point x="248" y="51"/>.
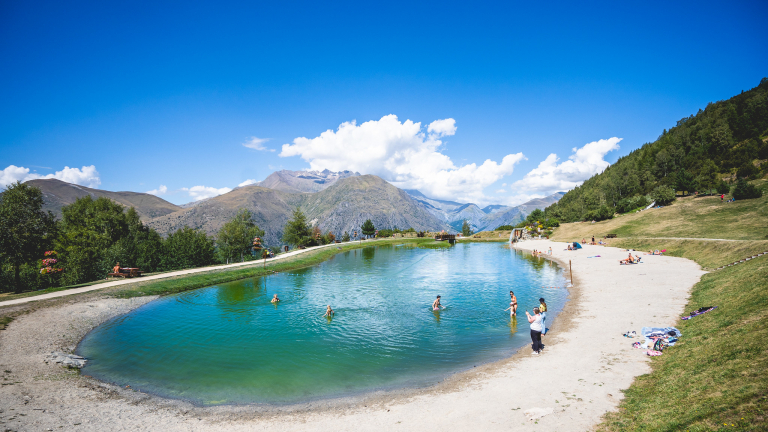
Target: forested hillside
<point x="727" y="139"/>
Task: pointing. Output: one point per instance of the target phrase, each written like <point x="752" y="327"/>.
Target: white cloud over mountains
<point x="256" y="143"/>
<point x="162" y="190"/>
<point x="198" y="193"/>
<point x="403" y="154"/>
<point x="85" y="176"/>
<point x="550" y="176"/>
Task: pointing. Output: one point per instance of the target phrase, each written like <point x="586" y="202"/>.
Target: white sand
<point x="580" y="376"/>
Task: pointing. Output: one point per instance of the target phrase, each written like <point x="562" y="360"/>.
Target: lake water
<point x="227" y="344"/>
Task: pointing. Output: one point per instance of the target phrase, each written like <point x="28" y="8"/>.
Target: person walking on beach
<point x="513" y="303"/>
<point x="436" y="304"/>
<point x="536" y="327"/>
<point x="543" y="310"/>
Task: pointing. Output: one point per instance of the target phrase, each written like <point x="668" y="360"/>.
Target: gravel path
<point x="159" y="276"/>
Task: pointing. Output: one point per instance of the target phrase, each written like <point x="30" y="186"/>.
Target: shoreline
<point x="111" y="401"/>
<point x="361" y="398"/>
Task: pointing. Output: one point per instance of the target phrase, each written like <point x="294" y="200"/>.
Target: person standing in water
<point x="543" y="310"/>
<point x="536" y="328"/>
<point x="275" y="299"/>
<point x="329" y="312"/>
<point x="512" y="303"/>
<point x="436" y="304"/>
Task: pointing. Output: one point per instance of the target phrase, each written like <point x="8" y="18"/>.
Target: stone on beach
<point x="68" y="360"/>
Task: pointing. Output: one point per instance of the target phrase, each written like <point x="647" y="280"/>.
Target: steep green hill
<point x="724" y="140"/>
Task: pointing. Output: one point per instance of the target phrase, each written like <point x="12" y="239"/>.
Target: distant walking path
<point x="159" y="276"/>
<point x="687" y="238"/>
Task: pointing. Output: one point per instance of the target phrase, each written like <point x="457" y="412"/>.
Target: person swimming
<point x="275" y="299"/>
<point x="329" y="312"/>
<point x="436" y="304"/>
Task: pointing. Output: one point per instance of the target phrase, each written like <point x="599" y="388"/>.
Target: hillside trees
<point x="26" y="231"/>
<point x="236" y="236"/>
<point x="297" y="231"/>
<point x="727" y="137"/>
<point x="187" y="248"/>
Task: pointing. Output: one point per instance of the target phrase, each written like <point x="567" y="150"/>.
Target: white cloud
<point x="162" y="190"/>
<point x="257" y="144"/>
<point x="504" y="184"/>
<point x="247" y="183"/>
<point x="198" y="193"/>
<point x="403" y="154"/>
<point x="551" y="176"/>
<point x="443" y="127"/>
<point x="85" y="176"/>
<point x="500" y="191"/>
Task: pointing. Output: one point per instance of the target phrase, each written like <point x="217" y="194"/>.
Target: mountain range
<point x="334" y="201"/>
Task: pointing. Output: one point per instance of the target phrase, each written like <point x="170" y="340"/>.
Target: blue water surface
<point x="228" y="344"/>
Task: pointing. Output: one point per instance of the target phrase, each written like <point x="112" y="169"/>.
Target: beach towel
<point x="660" y="332"/>
<point x="653" y="353"/>
<point x="700" y="311"/>
<point x="596" y="256"/>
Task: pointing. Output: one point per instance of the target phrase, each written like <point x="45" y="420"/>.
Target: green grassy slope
<point x="716" y="377"/>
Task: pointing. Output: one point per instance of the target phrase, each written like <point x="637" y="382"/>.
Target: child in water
<point x="275" y="299"/>
<point x="329" y="312"/>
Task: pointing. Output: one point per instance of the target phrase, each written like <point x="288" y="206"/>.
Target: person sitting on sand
<point x="436" y="304"/>
<point x="569" y="246"/>
<point x="329" y="312"/>
<point x="513" y="303"/>
<point x="116" y="268"/>
<point x="275" y="299"/>
<point x="628" y="260"/>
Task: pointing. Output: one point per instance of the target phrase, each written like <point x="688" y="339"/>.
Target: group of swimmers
<point x="328" y="311"/>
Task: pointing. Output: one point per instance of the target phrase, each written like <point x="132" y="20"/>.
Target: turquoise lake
<point x="227" y="344"/>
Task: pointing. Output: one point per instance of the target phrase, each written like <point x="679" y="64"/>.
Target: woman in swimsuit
<point x="513" y="303"/>
<point x="275" y="299"/>
<point x="329" y="312"/>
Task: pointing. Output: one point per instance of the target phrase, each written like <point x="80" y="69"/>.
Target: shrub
<point x="748" y="170"/>
<point x="663" y="195"/>
<point x="744" y="190"/>
<point x="723" y="188"/>
<point x="504" y="228"/>
<point x="551" y="223"/>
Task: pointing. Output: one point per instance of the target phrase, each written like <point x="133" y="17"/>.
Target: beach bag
<point x="660" y="344"/>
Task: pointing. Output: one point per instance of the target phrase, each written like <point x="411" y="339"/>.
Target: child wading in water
<point x="329" y="312"/>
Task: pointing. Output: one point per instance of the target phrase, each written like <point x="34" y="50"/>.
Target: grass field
<point x="689" y="217"/>
<point x="716" y="377"/>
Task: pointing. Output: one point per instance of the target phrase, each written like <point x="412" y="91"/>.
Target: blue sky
<point x="153" y="95"/>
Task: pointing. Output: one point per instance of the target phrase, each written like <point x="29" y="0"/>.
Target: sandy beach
<point x="579" y="377"/>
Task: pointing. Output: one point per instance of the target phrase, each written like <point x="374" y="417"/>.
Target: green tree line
<point x="38" y="252"/>
<point x="727" y="139"/>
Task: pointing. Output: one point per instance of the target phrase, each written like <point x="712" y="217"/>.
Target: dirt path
<point x="159" y="276"/>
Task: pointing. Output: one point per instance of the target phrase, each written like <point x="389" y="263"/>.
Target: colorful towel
<point x="700" y="311"/>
